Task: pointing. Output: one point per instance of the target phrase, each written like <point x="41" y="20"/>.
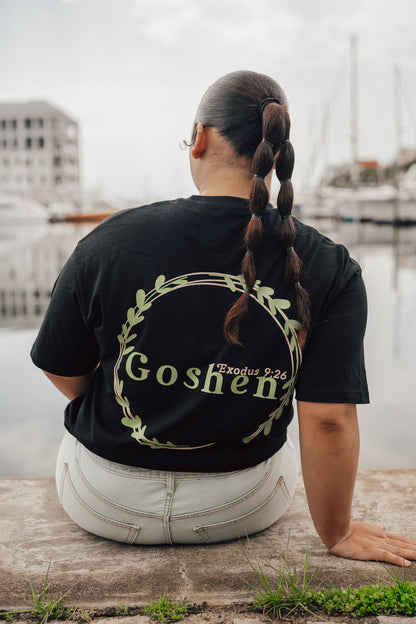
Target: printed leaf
<point x="264" y="291"/>
<point x="124" y="402"/>
<point x="128" y="350"/>
<point x="248" y="439"/>
<point x="137" y="320"/>
<point x="160" y="280"/>
<point x="293" y="343"/>
<point x="138" y="435"/>
<point x="294" y="324"/>
<point x="131" y="422"/>
<point x="180" y="281"/>
<point x="140" y="297"/>
<point x="267" y="427"/>
<point x="277" y="413"/>
<point x="163" y="290"/>
<point x="130" y="338"/>
<point x="170" y="444"/>
<point x="120" y="387"/>
<point x="121" y="339"/>
<point x="289" y="394"/>
<point x="288" y="383"/>
<point x="230" y="283"/>
<point x="278" y="304"/>
<point x="145" y="307"/>
<point x="130" y="315"/>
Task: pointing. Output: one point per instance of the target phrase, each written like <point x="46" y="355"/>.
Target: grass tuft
<point x="287" y="591"/>
<point x="43" y="608"/>
<point x="397" y="599"/>
<point x="167" y="610"/>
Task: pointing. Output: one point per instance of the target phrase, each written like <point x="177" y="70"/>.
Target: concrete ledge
<point x="35" y="532"/>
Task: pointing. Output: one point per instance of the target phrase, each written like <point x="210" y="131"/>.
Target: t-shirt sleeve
<point x="65" y="344"/>
<point x="333" y="368"/>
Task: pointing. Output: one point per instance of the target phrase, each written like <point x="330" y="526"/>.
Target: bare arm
<point x="72" y="387"/>
<point x="329" y="444"/>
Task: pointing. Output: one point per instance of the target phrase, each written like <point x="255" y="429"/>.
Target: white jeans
<point x="141" y="506"/>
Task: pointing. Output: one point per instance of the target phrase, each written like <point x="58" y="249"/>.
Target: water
<point x="31" y="410"/>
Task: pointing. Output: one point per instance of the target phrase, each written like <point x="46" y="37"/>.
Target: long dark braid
<point x="293" y="268"/>
<point x="250" y="111"/>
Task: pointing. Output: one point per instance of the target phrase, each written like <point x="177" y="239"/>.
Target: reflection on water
<point x="31" y="412"/>
<point x="30" y="259"/>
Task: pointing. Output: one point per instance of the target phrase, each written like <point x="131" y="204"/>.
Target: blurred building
<point x="39" y="152"/>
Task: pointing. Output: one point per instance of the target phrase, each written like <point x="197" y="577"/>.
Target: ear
<point x="201" y="143"/>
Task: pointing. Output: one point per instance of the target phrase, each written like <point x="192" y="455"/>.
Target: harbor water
<point x="31" y="410"/>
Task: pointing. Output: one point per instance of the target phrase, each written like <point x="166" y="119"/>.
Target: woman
<point x="180" y="331"/>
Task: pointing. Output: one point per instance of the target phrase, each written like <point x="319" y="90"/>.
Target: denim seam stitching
<point x="124" y="525"/>
<point x="203" y="531"/>
<point x="106" y="500"/>
<point x="124" y="471"/>
<point x="233" y="503"/>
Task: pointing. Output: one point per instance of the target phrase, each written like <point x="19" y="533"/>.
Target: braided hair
<point x="250" y="111"/>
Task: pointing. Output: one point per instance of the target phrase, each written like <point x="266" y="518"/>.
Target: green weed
<point x="290" y="592"/>
<point x="288" y="589"/>
<point x="122" y="610"/>
<point x="43" y="608"/>
<point x="397" y="599"/>
<point x="167" y="610"/>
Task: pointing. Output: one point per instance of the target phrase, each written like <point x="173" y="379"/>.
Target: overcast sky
<point x="131" y="72"/>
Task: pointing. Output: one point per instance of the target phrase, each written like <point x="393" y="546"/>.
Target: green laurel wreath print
<point x="235" y="283"/>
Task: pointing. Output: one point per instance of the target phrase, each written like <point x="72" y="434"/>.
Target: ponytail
<point x="275" y="120"/>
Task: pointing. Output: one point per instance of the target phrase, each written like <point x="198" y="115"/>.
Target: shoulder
<point x="132" y="224"/>
<point x="328" y="271"/>
<point x="136" y="215"/>
<point x="317" y="248"/>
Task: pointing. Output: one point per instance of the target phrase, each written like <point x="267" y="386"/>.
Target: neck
<point x="233" y="185"/>
<point x="232" y="188"/>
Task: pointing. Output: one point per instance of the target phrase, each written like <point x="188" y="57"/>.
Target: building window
<point x="28" y="142"/>
<point x="14" y="124"/>
<point x="40" y="122"/>
<point x="3" y="124"/>
<point x="4" y="143"/>
<point x="28" y="123"/>
<point x="58" y="179"/>
<point x="57" y="161"/>
<point x="41" y="142"/>
<point x="15" y="143"/>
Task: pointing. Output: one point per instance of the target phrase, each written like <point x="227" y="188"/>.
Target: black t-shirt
<point x="145" y="295"/>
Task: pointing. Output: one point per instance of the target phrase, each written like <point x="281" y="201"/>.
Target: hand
<point x="370" y="542"/>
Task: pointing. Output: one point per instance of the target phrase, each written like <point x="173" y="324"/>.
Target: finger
<point x="409" y="554"/>
<point x="400" y="542"/>
<point x="389" y="557"/>
<point x="401" y="538"/>
<point x="400" y="549"/>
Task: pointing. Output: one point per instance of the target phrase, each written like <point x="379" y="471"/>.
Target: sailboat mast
<point x="354" y="110"/>
<point x="398" y="121"/>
